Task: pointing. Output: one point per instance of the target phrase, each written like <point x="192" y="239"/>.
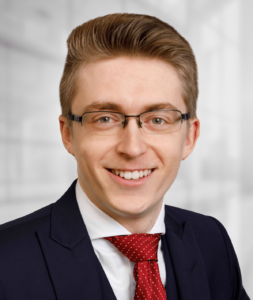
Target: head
<point x="130" y="64"/>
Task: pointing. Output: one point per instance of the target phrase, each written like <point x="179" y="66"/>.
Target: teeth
<point x="135" y="175"/>
<point x="127" y="175"/>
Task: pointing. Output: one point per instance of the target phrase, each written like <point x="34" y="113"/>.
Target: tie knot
<point x="137" y="247"/>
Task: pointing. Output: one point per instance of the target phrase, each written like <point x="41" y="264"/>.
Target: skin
<point x="132" y="84"/>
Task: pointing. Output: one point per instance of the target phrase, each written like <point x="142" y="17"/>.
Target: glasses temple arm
<point x="186" y="116"/>
<point x="74" y="118"/>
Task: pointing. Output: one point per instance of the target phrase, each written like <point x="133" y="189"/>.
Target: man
<point x="128" y="96"/>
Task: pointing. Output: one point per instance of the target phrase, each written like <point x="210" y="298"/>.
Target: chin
<point x="130" y="208"/>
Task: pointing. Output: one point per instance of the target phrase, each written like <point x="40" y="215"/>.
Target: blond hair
<point x="130" y="35"/>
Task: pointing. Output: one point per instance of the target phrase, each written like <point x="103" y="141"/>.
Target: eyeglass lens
<point x="153" y="122"/>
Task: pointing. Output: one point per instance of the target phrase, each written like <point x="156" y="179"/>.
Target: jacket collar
<point x="172" y="224"/>
<point x="185" y="259"/>
<point x="74" y="268"/>
<point x="67" y="226"/>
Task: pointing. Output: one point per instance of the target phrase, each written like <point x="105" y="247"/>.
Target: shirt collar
<point x="100" y="225"/>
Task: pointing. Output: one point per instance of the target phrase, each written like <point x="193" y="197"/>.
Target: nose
<point x="131" y="141"/>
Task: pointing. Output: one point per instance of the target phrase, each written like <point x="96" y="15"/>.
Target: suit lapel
<point x="171" y="286"/>
<point x="72" y="264"/>
<point x="186" y="262"/>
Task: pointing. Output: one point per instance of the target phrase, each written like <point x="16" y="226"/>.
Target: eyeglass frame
<point x="72" y="117"/>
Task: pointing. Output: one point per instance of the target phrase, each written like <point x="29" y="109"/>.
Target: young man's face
<point x="133" y="85"/>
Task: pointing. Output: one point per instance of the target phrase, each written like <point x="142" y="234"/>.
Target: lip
<point x="132" y="170"/>
<point x="131" y="182"/>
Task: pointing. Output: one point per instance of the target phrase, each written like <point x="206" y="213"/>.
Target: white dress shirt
<point x="117" y="267"/>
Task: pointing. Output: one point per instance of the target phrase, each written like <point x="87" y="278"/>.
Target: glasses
<point x="160" y="121"/>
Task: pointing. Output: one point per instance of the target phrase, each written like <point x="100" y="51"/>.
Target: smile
<point x="135" y="175"/>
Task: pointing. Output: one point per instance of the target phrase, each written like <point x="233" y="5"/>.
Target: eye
<point x="105" y="120"/>
<point x="157" y="121"/>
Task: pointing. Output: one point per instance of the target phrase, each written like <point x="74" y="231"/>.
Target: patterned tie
<point x="142" y="249"/>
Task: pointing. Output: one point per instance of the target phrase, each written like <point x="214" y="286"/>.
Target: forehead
<point x="130" y="85"/>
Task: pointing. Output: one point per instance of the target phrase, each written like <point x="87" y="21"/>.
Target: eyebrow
<point x="98" y="106"/>
<point x="102" y="106"/>
<point x="161" y="105"/>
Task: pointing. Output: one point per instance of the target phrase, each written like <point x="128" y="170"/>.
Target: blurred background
<point x="216" y="179"/>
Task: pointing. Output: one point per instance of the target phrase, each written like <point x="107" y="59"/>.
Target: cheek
<point x="91" y="152"/>
<point x="170" y="153"/>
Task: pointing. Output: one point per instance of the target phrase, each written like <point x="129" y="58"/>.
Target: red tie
<point x="142" y="248"/>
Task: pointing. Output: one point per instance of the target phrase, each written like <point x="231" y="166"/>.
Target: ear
<point x="66" y="134"/>
<point x="192" y="136"/>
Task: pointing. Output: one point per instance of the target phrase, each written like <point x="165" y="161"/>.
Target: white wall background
<point x="216" y="180"/>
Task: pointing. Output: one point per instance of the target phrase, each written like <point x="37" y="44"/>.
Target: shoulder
<point x="216" y="249"/>
<point x="182" y="214"/>
<point x="22" y="232"/>
<point x="32" y="218"/>
<point x="210" y="235"/>
<point x="20" y="228"/>
<point x="19" y="247"/>
<point x="199" y="222"/>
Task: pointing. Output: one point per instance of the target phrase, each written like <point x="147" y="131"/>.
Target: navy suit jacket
<point x="48" y="255"/>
